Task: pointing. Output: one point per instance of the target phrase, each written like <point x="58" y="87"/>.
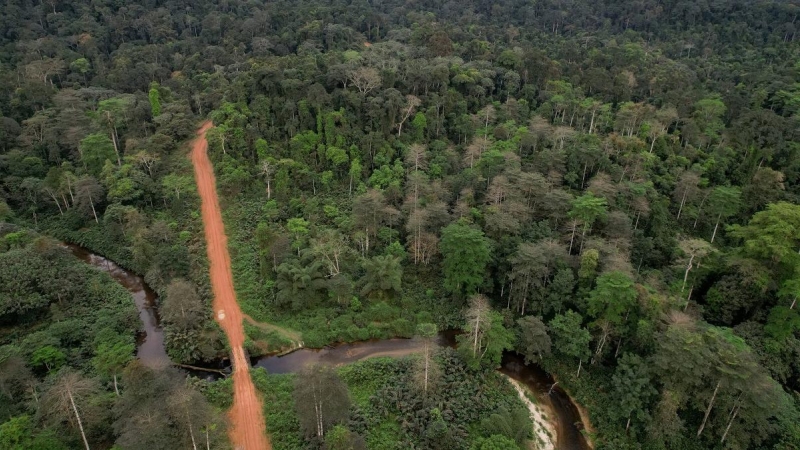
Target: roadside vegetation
<point x="608" y="188"/>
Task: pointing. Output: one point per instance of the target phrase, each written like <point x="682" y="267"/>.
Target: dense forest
<point x="608" y="188"/>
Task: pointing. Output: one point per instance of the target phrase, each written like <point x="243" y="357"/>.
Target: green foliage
<point x="20" y="433"/>
<point x="533" y="134"/>
<point x="495" y="442"/>
<point x="494" y="340"/>
<point x="383" y="276"/>
<point x="155" y="99"/>
<point x="633" y="387"/>
<point x="514" y="425"/>
<point x="569" y="337"/>
<point x="465" y="251"/>
<point x="96" y="149"/>
<point x="279" y="408"/>
<point x="533" y="341"/>
<point x="613" y="296"/>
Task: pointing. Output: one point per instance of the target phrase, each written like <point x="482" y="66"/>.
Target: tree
<point x="533" y="342"/>
<point x="182" y="306"/>
<point x="486" y="338"/>
<point x="632" y="387"/>
<point x="766" y="186"/>
<point x="268" y="166"/>
<point x="52" y="358"/>
<point x="174" y="185"/>
<point x="708" y="364"/>
<point x="708" y="114"/>
<point x="613" y="296"/>
<point x="569" y="337"/>
<point x="21" y="433"/>
<point x="370" y="212"/>
<point x="155" y="99"/>
<point x="321" y="400"/>
<point x="299" y="284"/>
<point x="299" y="227"/>
<point x="95" y="150"/>
<point x="686" y="190"/>
<point x="160" y="409"/>
<point x="427" y="369"/>
<point x="773" y="237"/>
<point x="478" y="321"/>
<point x="189" y="410"/>
<point x="466" y="252"/>
<point x="532" y="266"/>
<point x="330" y="246"/>
<point x="495" y="442"/>
<point x="412" y="102"/>
<point x="5" y="211"/>
<point x="340" y="438"/>
<point x="514" y="424"/>
<point x="112" y="353"/>
<point x="355" y="173"/>
<point x="723" y="202"/>
<point x="112" y="113"/>
<point x="695" y="249"/>
<point x="586" y="209"/>
<point x="64" y="396"/>
<point x="610" y="303"/>
<point x="365" y="79"/>
<point x="87" y="193"/>
<point x="383" y="275"/>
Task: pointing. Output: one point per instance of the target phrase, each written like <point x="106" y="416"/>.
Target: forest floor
<point x="247" y="430"/>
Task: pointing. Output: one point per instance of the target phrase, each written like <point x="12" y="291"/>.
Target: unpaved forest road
<point x="247" y="430"/>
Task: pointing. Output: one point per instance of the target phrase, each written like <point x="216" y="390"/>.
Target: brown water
<point x="567" y="419"/>
<point x="150" y="342"/>
<point x="569" y="424"/>
<point x="150" y="350"/>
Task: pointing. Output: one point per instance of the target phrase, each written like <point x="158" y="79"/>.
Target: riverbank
<point x="587" y="424"/>
<point x="390" y="410"/>
<point x="537" y="385"/>
<point x="544" y="430"/>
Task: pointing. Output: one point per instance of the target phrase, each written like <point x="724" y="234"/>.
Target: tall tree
<point x="383" y="276"/>
<point x="533" y="341"/>
<point x="466" y="253"/>
<point x="632" y="387"/>
<point x="723" y="202"/>
<point x="586" y="209"/>
<point x="321" y="400"/>
<point x="112" y="353"/>
<point x="569" y="337"/>
<point x="65" y="396"/>
<point x="182" y="305"/>
<point x="427" y="369"/>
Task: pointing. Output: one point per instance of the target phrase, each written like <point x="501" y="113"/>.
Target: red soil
<point x="247" y="431"/>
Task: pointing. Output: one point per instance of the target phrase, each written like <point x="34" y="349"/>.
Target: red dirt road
<point x="247" y="431"/>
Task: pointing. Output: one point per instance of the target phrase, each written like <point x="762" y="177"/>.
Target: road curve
<point x="247" y="429"/>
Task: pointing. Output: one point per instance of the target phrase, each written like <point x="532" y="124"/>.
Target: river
<point x="568" y="422"/>
<point x="150" y="342"/>
<point x="150" y="350"/>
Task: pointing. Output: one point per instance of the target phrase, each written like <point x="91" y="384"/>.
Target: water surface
<point x="150" y="342"/>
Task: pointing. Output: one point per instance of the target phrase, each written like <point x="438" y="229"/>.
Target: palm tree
<point x="299" y="284"/>
<point x="384" y="274"/>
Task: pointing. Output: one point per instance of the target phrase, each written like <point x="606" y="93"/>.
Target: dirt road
<point x="247" y="431"/>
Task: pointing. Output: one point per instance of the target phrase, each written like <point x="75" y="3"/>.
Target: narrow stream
<point x="150" y="350"/>
<point x="568" y="420"/>
<point x="150" y="342"/>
